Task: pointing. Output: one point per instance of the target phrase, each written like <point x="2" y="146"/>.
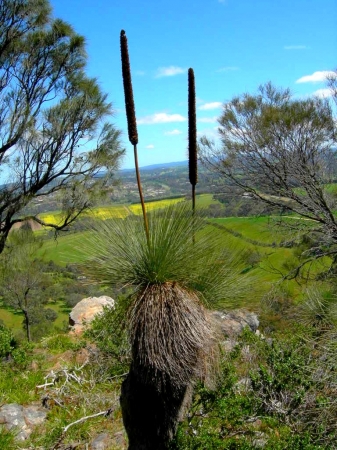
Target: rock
<point x="232" y="323"/>
<point x="85" y="311"/>
<point x="21" y="418"/>
<point x="101" y="442"/>
<point x="104" y="441"/>
<point x="119" y="439"/>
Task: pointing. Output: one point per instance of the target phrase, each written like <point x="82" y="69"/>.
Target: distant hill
<point x="159" y="166"/>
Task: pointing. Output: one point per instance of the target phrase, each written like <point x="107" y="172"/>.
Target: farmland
<point x="256" y="238"/>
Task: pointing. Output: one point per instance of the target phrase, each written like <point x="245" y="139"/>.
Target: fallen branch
<point x="83" y="419"/>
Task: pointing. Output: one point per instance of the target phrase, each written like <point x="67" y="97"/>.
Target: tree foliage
<point x="281" y="150"/>
<point x="54" y="137"/>
<point x="22" y="280"/>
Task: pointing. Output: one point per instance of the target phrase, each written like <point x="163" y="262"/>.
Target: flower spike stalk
<point x="192" y="135"/>
<point x="131" y="118"/>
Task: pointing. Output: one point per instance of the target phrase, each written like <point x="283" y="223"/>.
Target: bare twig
<point x="83" y="419"/>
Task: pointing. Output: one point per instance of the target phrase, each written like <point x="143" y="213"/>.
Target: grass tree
<point x="172" y="278"/>
<point x="172" y="282"/>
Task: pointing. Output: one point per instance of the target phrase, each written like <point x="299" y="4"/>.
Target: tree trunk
<point x="27" y="323"/>
<point x="151" y="410"/>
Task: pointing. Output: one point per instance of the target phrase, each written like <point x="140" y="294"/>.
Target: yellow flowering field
<point x="108" y="212"/>
<point x="137" y="208"/>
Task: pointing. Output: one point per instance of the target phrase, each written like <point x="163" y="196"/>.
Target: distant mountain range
<point x="158" y="166"/>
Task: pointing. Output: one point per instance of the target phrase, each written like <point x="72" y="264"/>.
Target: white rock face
<point x="85" y="311"/>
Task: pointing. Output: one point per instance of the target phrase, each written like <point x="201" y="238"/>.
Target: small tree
<point x="281" y="151"/>
<point x="22" y="279"/>
<point x="53" y="134"/>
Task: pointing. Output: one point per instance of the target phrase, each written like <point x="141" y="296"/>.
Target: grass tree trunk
<point x="151" y="414"/>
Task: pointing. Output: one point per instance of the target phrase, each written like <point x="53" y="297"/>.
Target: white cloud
<point x="149" y="146"/>
<point x="173" y="132"/>
<point x="208" y="106"/>
<point x="211" y="133"/>
<point x="295" y="47"/>
<point x="316" y="77"/>
<point x="207" y="119"/>
<point x="228" y="69"/>
<point x="169" y="71"/>
<point x="161" y="118"/>
<point x="323" y="93"/>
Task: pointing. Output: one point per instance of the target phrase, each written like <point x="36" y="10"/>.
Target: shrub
<point x="111" y="339"/>
<point x="6" y="341"/>
<point x="279" y="393"/>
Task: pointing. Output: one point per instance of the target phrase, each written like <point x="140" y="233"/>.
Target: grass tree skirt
<point x="171" y="339"/>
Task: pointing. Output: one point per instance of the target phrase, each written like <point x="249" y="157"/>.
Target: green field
<point x="66" y="249"/>
<point x="261" y="229"/>
<point x="13" y="319"/>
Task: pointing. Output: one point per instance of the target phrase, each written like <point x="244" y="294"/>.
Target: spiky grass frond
<point x="317" y="310"/>
<point x="120" y="255"/>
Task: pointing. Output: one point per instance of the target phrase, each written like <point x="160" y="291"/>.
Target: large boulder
<point x="85" y="311"/>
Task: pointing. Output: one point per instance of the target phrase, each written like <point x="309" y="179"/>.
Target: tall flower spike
<point x="131" y="118"/>
<point x="192" y="135"/>
<point x="128" y="93"/>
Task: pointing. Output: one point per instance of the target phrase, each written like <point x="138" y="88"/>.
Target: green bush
<point x="274" y="392"/>
<point x="6" y="341"/>
<point x="20" y="357"/>
<point x="61" y="343"/>
<point x="108" y="333"/>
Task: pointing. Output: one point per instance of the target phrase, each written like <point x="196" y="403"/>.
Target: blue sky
<point x="232" y="45"/>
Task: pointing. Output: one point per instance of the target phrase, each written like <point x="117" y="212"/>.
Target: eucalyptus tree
<point x="281" y="151"/>
<point x="54" y="133"/>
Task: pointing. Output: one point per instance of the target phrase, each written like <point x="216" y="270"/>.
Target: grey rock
<point x="34" y="416"/>
<point x="232" y="323"/>
<point x="104" y="441"/>
<point x="22" y="419"/>
<point x="101" y="442"/>
<point x="119" y="439"/>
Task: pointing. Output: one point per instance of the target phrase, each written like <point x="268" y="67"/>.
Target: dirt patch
<point x="34" y="225"/>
